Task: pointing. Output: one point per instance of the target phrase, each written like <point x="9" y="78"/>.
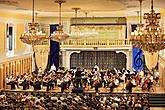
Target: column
<point x="1" y="76"/>
<point x="66" y="58"/>
<point x="129" y="60"/>
<point x="128" y="54"/>
<point x="63" y="58"/>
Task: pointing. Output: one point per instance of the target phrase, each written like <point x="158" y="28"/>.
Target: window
<point x="10" y="39"/>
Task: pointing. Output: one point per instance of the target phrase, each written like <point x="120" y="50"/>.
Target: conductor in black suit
<point x="78" y="78"/>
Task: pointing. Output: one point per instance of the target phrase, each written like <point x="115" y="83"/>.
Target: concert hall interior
<point x="82" y="54"/>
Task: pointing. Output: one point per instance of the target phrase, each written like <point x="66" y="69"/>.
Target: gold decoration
<point x="33" y="35"/>
<point x="59" y="35"/>
<point x="151" y="37"/>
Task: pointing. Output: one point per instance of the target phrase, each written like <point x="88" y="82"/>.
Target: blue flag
<point x="137" y="58"/>
<point x="137" y="54"/>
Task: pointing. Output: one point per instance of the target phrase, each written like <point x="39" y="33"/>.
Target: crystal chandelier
<point x="151" y="38"/>
<point x="59" y="34"/>
<point x="33" y="35"/>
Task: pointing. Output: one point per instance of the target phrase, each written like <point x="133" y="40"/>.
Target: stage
<point x="88" y="89"/>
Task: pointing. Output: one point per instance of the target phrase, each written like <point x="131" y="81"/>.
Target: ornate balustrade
<point x="104" y="43"/>
<point x="88" y="43"/>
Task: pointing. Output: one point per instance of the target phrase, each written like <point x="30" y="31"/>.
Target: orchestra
<point x="82" y="78"/>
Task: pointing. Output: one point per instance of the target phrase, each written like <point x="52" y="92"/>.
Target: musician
<point x="24" y="84"/>
<point x="156" y="76"/>
<point x="96" y="68"/>
<point x="129" y="86"/>
<point x="122" y="77"/>
<point x="127" y="75"/>
<point x="116" y="81"/>
<point x="53" y="68"/>
<point x="85" y="77"/>
<point x="20" y="80"/>
<point x="133" y="81"/>
<point x="12" y="82"/>
<point x="37" y="84"/>
<point x="112" y="85"/>
<point x="63" y="85"/>
<point x="150" y="83"/>
<point x="59" y="81"/>
<point x="90" y="79"/>
<point x="44" y="81"/>
<point x="78" y="78"/>
<point x="140" y="75"/>
<point x="49" y="83"/>
<point x="96" y="84"/>
<point x="105" y="80"/>
<point x="32" y="81"/>
<point x="67" y="79"/>
<point x="40" y="71"/>
<point x="7" y="80"/>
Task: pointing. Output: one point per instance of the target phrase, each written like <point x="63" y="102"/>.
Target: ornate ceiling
<point x="97" y="8"/>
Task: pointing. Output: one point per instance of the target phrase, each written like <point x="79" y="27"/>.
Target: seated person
<point x="129" y="86"/>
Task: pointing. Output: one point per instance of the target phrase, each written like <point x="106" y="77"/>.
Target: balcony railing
<point x="85" y="43"/>
<point x="94" y="43"/>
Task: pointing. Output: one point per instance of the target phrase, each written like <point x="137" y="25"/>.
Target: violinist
<point x="37" y="84"/>
<point x="129" y="86"/>
<point x="139" y="77"/>
<point x="24" y="84"/>
<point x="150" y="83"/>
<point x="12" y="82"/>
<point x="84" y="78"/>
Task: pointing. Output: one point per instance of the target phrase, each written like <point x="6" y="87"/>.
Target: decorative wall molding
<point x="13" y="20"/>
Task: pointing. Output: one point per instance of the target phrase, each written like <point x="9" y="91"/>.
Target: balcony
<point x="80" y="44"/>
<point x="95" y="43"/>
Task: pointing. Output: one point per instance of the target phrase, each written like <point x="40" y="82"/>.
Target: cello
<point x="145" y="85"/>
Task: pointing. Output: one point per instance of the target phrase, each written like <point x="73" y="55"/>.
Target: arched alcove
<point x="104" y="59"/>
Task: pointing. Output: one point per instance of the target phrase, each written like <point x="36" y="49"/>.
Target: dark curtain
<point x="103" y="59"/>
<point x="36" y="67"/>
<point x="53" y="57"/>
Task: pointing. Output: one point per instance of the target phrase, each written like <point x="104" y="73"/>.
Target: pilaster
<point x="66" y="58"/>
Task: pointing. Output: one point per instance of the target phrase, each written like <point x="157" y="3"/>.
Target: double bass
<point x="145" y="85"/>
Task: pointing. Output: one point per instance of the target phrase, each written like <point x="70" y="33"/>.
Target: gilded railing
<point x="91" y="43"/>
<point x="95" y="42"/>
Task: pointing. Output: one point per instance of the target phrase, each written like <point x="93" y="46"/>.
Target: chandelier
<point x="59" y="34"/>
<point x="33" y="35"/>
<point x="151" y="37"/>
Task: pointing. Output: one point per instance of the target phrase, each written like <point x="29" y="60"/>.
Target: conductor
<point x="78" y="78"/>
